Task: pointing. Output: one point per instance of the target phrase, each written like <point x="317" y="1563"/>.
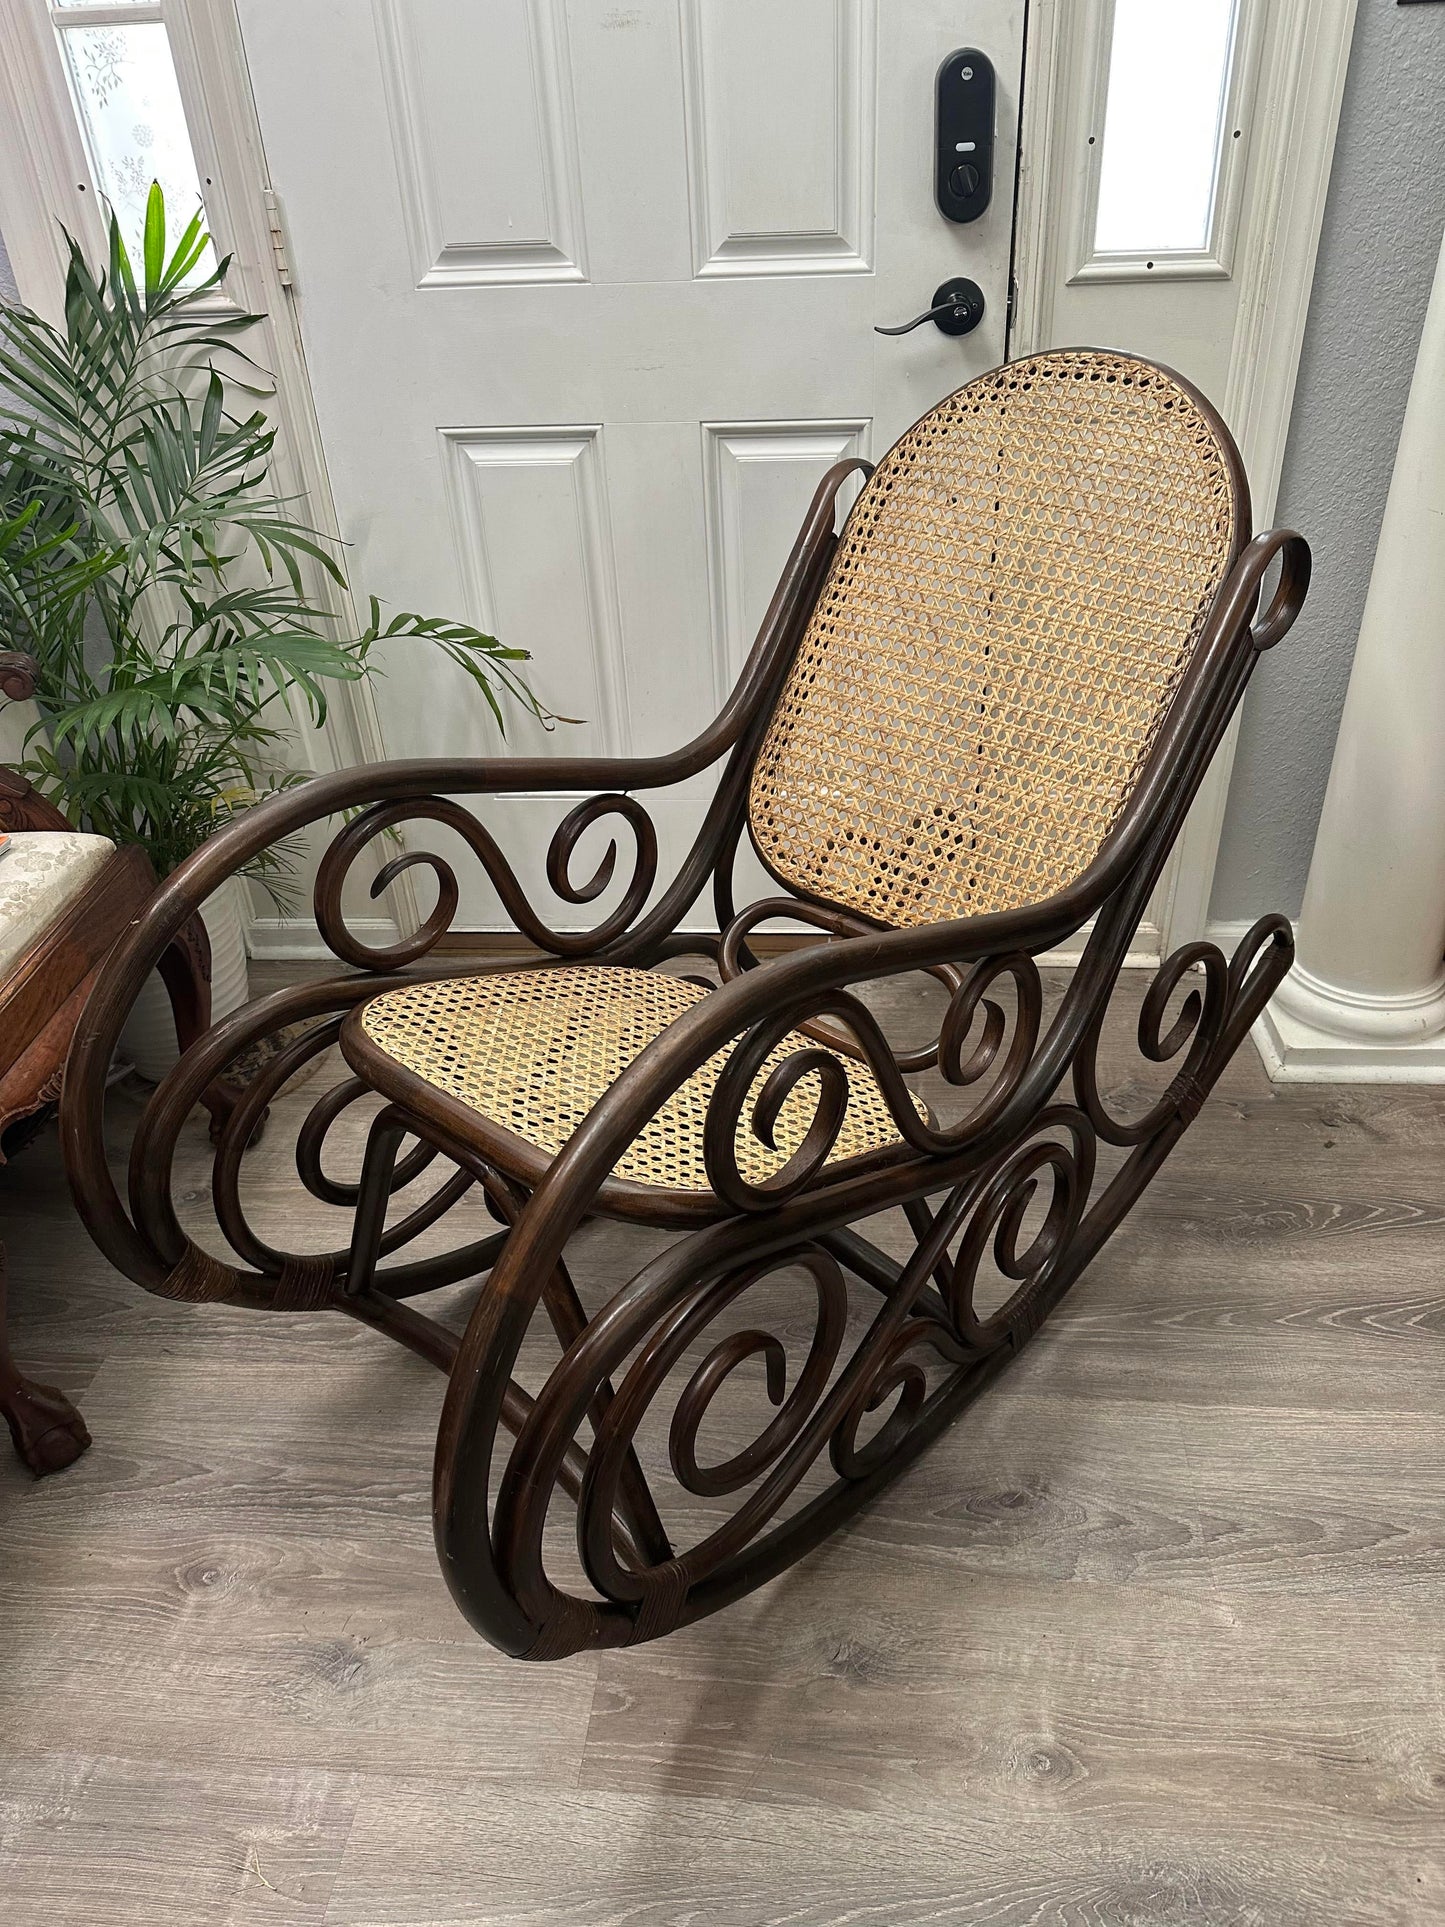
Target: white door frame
<point x="1300" y="84"/>
<point x="45" y="182"/>
<point x="42" y="168"/>
<point x="42" y="165"/>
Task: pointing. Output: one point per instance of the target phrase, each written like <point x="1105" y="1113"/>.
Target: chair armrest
<point x="382" y="790"/>
<point x="22" y="807"/>
<point x="18" y="675"/>
<point x="393" y="788"/>
<point x="384" y="793"/>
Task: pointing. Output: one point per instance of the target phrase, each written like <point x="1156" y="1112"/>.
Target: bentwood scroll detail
<point x="388" y="820"/>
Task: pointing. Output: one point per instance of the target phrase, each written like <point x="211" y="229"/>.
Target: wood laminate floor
<point x="1153" y="1636"/>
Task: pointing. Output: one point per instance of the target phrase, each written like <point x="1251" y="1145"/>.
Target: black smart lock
<point x="963" y="122"/>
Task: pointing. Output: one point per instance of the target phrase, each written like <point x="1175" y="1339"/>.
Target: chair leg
<point x="373" y="1195"/>
<point x="49" y="1433"/>
<point x="185" y="968"/>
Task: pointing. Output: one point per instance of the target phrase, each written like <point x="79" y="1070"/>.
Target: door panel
<point x="504" y="485"/>
<point x="754" y="473"/>
<point x="588" y="293"/>
<point x="478" y="110"/>
<point x="781" y="147"/>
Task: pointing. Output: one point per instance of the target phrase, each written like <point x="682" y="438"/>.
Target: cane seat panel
<point x="42" y="874"/>
<point x="1014" y="600"/>
<point x="532" y="1051"/>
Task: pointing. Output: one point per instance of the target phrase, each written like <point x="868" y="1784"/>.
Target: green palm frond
<point x="169" y="594"/>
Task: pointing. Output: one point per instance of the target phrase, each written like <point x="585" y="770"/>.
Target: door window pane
<point x="135" y="126"/>
<point x="1168" y="81"/>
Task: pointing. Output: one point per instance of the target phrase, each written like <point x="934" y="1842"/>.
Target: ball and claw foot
<point x="49" y="1433"/>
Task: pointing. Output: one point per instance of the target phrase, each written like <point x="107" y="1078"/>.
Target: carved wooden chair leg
<point x="49" y="1433"/>
<point x="185" y="968"/>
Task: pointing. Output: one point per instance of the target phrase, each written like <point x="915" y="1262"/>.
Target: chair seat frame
<point x="1030" y="1135"/>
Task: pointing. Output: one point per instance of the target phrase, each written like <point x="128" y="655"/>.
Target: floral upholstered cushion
<point x="41" y="871"/>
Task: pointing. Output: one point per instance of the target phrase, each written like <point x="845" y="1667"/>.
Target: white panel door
<point x="588" y="291"/>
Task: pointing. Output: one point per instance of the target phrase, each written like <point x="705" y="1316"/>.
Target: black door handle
<point x="957" y="310"/>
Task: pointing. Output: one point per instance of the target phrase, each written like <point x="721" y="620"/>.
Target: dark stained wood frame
<point x="964" y="1188"/>
<point x="41" y="1001"/>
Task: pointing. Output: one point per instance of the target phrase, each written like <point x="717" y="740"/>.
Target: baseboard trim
<point x="1296" y="1052"/>
<point x="297" y="940"/>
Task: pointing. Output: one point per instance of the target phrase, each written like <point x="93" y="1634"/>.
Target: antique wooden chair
<point x="972" y="721"/>
<point x="64" y="899"/>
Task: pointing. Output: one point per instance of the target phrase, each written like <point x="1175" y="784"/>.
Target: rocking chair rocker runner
<point x="972" y="721"/>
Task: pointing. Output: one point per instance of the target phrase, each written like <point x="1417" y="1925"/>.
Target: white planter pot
<point x="148" y="1041"/>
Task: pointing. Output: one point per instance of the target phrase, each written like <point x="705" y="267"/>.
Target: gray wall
<point x="8" y="289"/>
<point x="1378" y="249"/>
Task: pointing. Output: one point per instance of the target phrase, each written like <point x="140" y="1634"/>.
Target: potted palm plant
<point x="168" y="594"/>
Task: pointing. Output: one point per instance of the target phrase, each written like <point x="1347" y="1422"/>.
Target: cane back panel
<point x="1014" y="600"/>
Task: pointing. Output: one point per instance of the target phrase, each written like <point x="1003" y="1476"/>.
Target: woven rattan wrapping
<point x="534" y="1050"/>
<point x="1014" y="600"/>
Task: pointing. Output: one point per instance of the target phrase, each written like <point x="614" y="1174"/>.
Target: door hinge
<point x="276" y="227"/>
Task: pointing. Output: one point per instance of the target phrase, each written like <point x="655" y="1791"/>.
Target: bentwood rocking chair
<point x="972" y="721"/>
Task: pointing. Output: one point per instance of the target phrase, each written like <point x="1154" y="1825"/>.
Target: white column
<point x="1365" y="1001"/>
